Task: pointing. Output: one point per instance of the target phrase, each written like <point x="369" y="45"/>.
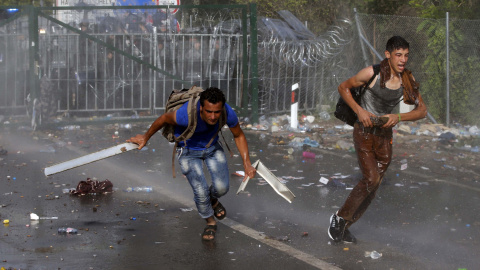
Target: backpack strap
<point x="192" y="119"/>
<point x="192" y="125"/>
<point x="376" y="70"/>
<point x="173" y="159"/>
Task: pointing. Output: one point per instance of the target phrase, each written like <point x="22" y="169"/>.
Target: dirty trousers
<point x="374" y="153"/>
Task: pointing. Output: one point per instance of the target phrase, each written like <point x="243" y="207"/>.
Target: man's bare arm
<point x="159" y="123"/>
<point x="242" y="146"/>
<point x="361" y="78"/>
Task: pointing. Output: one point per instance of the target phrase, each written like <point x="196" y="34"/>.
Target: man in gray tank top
<point x="373" y="141"/>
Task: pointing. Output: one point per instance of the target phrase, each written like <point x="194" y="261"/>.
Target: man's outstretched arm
<point x="242" y="146"/>
<point x="159" y="123"/>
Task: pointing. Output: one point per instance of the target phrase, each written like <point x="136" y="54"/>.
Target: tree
<point x="463" y="9"/>
<point x="319" y="14"/>
<point x="386" y="7"/>
<point x="464" y="88"/>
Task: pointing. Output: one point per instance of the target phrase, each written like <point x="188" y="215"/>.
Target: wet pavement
<point x="424" y="216"/>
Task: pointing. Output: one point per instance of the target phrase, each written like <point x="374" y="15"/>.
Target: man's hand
<point x="139" y="139"/>
<point x="392" y="120"/>
<point x="364" y="117"/>
<point x="249" y="172"/>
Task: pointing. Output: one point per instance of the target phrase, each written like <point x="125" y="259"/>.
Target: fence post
<point x="447" y="34"/>
<point x="155" y="74"/>
<point x="33" y="50"/>
<point x="357" y="20"/>
<point x="294" y="107"/>
<point x="254" y="61"/>
<point x="244" y="78"/>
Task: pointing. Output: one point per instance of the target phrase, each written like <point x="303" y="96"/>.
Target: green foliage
<point x="464" y="89"/>
<point x="319" y="14"/>
<point x="380" y="6"/>
<point x="465" y="9"/>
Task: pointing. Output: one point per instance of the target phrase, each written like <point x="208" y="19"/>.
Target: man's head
<point x="397" y="51"/>
<point x="212" y="95"/>
<point x="212" y="101"/>
<point x="395" y="43"/>
<point x="163" y="28"/>
<point x="84" y="26"/>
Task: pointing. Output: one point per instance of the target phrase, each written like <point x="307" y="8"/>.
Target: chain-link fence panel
<point x="320" y="64"/>
<point x="123" y="58"/>
<point x="428" y="60"/>
<point x="103" y="60"/>
<point x="14" y="64"/>
<point x="285" y="58"/>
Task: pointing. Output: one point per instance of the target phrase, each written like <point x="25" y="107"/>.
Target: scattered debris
<point x="373" y="254"/>
<point x="68" y="230"/>
<point x="34" y="216"/>
<point x="92" y="187"/>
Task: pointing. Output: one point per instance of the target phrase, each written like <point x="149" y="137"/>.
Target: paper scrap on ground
<point x="34" y="216"/>
<point x="115" y="150"/>
<point x="323" y="180"/>
<point x="271" y="179"/>
<point x="340" y="176"/>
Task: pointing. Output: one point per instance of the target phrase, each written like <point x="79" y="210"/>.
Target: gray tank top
<point x="380" y="101"/>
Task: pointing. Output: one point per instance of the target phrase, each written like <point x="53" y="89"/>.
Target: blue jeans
<point x="191" y="164"/>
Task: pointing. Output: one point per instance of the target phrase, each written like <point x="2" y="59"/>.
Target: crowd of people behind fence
<point x="191" y="55"/>
<point x="185" y="54"/>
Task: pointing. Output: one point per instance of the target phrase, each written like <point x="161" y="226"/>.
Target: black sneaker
<point x="337" y="228"/>
<point x="348" y="237"/>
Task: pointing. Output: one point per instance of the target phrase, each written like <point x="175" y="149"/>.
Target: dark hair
<point x="212" y="95"/>
<point x="397" y="42"/>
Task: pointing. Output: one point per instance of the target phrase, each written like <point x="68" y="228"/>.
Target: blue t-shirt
<point x="203" y="132"/>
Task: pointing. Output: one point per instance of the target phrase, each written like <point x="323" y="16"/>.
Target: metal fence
<point x="320" y="64"/>
<point x="114" y="60"/>
<point x="124" y="59"/>
<point x="89" y="77"/>
<point x="14" y="65"/>
<point x="316" y="64"/>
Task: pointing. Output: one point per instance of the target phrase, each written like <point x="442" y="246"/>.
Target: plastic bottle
<point x="311" y="143"/>
<point x="450" y="167"/>
<point x="64" y="230"/>
<point x="375" y="255"/>
<point x="139" y="189"/>
<point x="307" y="154"/>
<point x="143" y="189"/>
<point x="325" y="115"/>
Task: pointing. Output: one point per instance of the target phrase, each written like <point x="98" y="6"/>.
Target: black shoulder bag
<point x="343" y="111"/>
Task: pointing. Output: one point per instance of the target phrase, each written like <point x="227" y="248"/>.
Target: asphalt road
<point x="424" y="216"/>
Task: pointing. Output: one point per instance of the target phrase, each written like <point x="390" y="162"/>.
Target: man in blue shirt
<point x="193" y="153"/>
